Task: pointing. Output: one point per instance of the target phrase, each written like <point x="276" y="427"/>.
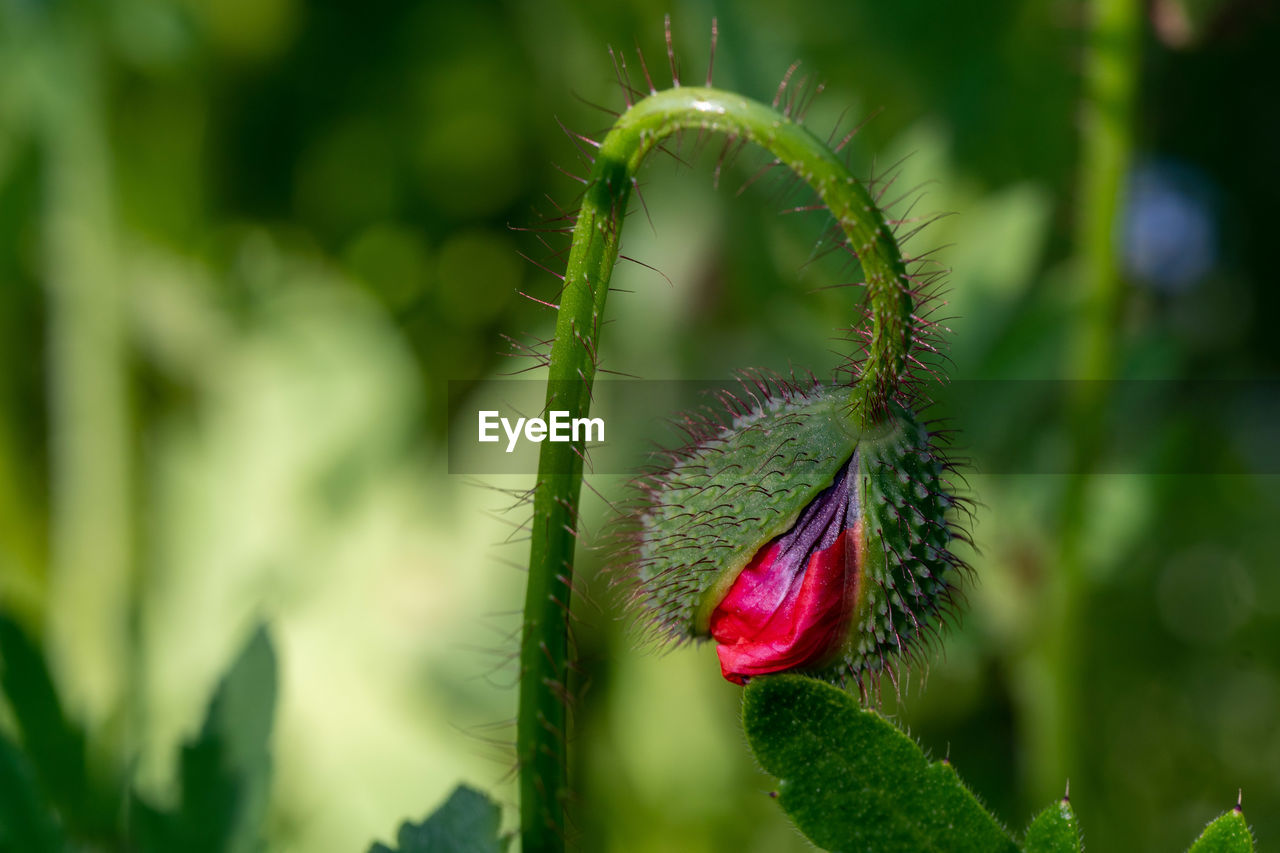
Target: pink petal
<point x="808" y="623"/>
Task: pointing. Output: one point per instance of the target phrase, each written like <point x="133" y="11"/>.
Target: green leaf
<point x="852" y="781"/>
<point x="54" y="747"/>
<point x="1054" y="830"/>
<point x="225" y="772"/>
<point x="466" y="823"/>
<point x="1228" y="834"/>
<point x="26" y="824"/>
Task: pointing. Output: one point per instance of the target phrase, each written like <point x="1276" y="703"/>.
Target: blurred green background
<point x="246" y="244"/>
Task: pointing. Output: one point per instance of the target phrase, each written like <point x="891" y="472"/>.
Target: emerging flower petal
<point x="791" y="605"/>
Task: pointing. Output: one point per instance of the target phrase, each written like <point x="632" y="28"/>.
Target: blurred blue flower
<point x="1170" y="238"/>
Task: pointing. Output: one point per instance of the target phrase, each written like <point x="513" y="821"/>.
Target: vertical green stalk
<point x="90" y="580"/>
<point x="542" y="731"/>
<point x="1111" y="80"/>
<point x="23" y="536"/>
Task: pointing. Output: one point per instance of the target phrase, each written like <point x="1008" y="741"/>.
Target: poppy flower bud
<point x="797" y="541"/>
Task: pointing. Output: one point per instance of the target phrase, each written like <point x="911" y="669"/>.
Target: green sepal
<point x="731" y="492"/>
<point x="907" y="573"/>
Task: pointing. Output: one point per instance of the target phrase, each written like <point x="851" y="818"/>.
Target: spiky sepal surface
<point x="907" y="575"/>
<point x="740" y="484"/>
<point x="737" y="486"/>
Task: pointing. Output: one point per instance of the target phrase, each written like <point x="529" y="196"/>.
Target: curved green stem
<point x="544" y="653"/>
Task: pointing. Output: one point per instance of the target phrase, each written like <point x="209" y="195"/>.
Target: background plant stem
<point x="91" y="584"/>
<point x="542" y="730"/>
<point x="1110" y="86"/>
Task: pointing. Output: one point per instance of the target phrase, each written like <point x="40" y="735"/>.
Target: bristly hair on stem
<point x="883" y="372"/>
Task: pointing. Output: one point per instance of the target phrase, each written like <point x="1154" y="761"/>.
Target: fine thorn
<point x="1240" y="800"/>
<point x="653" y="90"/>
<point x="851" y="134"/>
<point x="671" y="53"/>
<point x="711" y="63"/>
<point x="1066" y="795"/>
<point x="782" y="87"/>
<point x="648" y="267"/>
<point x="617" y="71"/>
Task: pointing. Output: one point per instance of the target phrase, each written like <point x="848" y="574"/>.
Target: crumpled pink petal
<point x="790" y="606"/>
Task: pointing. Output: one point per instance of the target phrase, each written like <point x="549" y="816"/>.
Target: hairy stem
<point x="544" y="654"/>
